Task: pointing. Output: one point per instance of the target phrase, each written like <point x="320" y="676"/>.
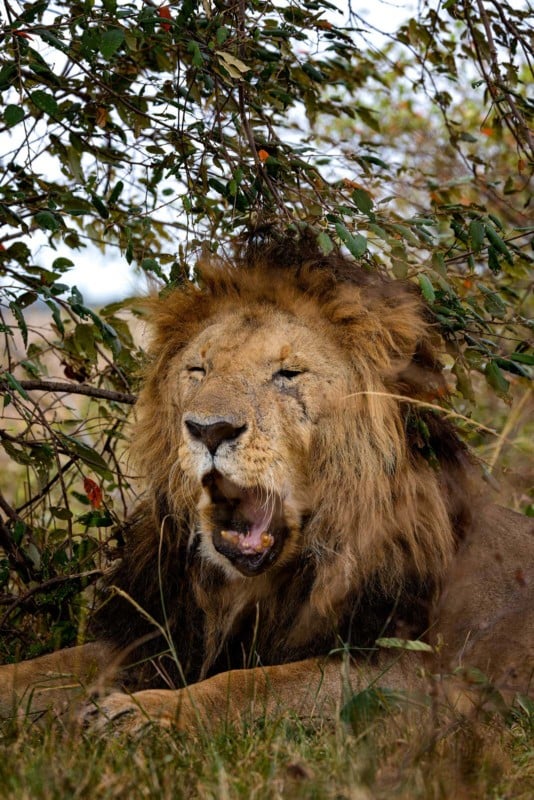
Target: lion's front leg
<point x="311" y="688"/>
<point x="229" y="696"/>
<point x="56" y="681"/>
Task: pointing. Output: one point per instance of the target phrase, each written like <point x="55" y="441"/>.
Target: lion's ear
<point x="387" y="316"/>
<point x="415" y="369"/>
<point x="391" y="319"/>
<point x="400" y="313"/>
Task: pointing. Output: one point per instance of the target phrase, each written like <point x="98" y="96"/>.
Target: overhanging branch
<point x="78" y="388"/>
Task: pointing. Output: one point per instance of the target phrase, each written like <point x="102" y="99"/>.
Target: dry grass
<point x="284" y="758"/>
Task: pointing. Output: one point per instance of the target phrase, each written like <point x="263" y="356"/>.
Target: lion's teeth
<point x="267" y="540"/>
<point x="237" y="540"/>
<point x="230" y="536"/>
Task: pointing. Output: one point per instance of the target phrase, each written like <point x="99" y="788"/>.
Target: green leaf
<point x="496" y="379"/>
<point x="197" y="59"/>
<point x="365" y="706"/>
<point x="427" y="290"/>
<point x="19" y="316"/>
<point x="363" y="201"/>
<point x="45" y="102"/>
<point x="96" y="519"/>
<point x="116" y="193"/>
<point x="60" y="513"/>
<point x="523" y="358"/>
<point x="463" y="382"/>
<point x="100" y="206"/>
<point x="498" y="243"/>
<point x="110" y="41"/>
<point x="513" y="367"/>
<point x="467" y="137"/>
<point x="8" y="75"/>
<point x="221" y="35"/>
<point x="47" y="220"/>
<point x="13" y="382"/>
<point x="18" y="455"/>
<point x="326" y="245"/>
<point x="151" y="265"/>
<point x="62" y="264"/>
<point x="374" y="160"/>
<point x="312" y="72"/>
<point x="87" y="454"/>
<point x="493" y="260"/>
<point x="493" y="302"/>
<point x="13" y="115"/>
<point x="357" y="245"/>
<point x="496" y="221"/>
<point x="477" y="233"/>
<point x="50" y="38"/>
<point x="56" y="315"/>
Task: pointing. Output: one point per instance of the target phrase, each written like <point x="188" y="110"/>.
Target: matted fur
<point x="387" y="482"/>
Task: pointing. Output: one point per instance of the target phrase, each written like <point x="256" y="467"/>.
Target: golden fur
<point x="295" y="503"/>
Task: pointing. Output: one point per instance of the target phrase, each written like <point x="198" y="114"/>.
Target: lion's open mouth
<point x="248" y="527"/>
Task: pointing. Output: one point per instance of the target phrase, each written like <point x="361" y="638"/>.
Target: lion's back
<point x="486" y="610"/>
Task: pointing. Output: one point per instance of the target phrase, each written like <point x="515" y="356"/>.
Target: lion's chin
<point x="246" y="524"/>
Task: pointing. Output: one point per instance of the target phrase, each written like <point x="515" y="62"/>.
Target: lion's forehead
<point x="260" y="338"/>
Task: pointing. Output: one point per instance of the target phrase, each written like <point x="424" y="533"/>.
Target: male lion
<point x="302" y="502"/>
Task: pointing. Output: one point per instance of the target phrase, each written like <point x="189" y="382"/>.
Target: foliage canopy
<point x="154" y="132"/>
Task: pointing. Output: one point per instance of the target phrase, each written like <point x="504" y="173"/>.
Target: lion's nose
<point x="212" y="434"/>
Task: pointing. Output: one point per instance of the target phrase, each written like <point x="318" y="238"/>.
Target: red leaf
<point x="165" y="13"/>
<point x="22" y="34"/>
<point x="93" y="492"/>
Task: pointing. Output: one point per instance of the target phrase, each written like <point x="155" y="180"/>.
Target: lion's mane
<point x="389" y="477"/>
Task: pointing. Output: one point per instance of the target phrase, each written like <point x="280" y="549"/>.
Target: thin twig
<point x="499" y="83"/>
<point x="510" y="423"/>
<point x="46" y="489"/>
<point x="78" y="388"/>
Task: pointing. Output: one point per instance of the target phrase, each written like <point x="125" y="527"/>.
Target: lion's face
<point x="253" y="387"/>
<point x="270" y="424"/>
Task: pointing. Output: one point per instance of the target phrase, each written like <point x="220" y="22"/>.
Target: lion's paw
<point x="120" y="712"/>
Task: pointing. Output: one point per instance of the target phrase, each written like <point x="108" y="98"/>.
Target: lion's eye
<point x="287" y="374"/>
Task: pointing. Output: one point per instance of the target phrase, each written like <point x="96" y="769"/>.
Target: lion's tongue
<point x="258" y="517"/>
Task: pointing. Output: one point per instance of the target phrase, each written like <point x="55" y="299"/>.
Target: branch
<point x="78" y="388"/>
<point x="43" y="587"/>
<point x="45" y="490"/>
<point x="498" y="83"/>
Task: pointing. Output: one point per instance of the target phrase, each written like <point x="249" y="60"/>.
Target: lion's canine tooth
<point x="230" y="536"/>
<point x="266" y="540"/>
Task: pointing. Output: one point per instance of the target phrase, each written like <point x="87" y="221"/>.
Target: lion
<point x="305" y="505"/>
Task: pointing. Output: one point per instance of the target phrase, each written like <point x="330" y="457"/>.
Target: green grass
<point x="284" y="758"/>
